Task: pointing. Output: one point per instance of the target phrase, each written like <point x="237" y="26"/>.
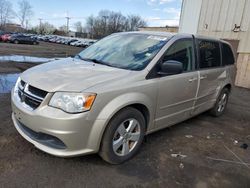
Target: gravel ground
<point x="44" y="49"/>
<point x="210" y="150"/>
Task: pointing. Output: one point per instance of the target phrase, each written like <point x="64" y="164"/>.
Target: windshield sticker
<point x="159" y="38"/>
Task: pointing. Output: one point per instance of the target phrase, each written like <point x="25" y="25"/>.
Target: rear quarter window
<point x="209" y="52"/>
<point x="227" y="55"/>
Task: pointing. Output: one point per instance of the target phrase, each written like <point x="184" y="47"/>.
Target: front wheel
<point x="123" y="136"/>
<point x="221" y="103"/>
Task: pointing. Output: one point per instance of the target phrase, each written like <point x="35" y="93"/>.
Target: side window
<point x="227" y="55"/>
<point x="182" y="51"/>
<point x="209" y="54"/>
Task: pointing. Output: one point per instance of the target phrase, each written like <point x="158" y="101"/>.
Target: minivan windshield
<point x="132" y="51"/>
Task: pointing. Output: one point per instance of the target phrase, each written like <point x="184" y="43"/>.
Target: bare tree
<point x="116" y="22"/>
<point x="78" y="26"/>
<point x="6" y="12"/>
<point x="134" y="22"/>
<point x="90" y="25"/>
<point x="44" y="28"/>
<point x="63" y="28"/>
<point x="108" y="22"/>
<point x="25" y="11"/>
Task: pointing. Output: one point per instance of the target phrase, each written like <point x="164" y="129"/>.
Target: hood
<point x="70" y="75"/>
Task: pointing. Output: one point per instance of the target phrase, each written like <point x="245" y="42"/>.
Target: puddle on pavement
<point x="7" y="82"/>
<point x="28" y="59"/>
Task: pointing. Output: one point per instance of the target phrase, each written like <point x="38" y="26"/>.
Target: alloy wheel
<point x="126" y="137"/>
<point x="222" y="102"/>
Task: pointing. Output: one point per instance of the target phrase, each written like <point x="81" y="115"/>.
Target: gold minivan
<point x="113" y="93"/>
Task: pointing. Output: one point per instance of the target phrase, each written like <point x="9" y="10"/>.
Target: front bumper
<point x="75" y="133"/>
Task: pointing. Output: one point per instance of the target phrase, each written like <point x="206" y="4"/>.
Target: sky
<point x="155" y="12"/>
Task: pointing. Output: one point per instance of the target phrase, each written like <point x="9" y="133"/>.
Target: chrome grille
<point x="30" y="95"/>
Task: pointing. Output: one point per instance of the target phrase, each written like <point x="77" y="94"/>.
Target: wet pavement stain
<point x="7" y="82"/>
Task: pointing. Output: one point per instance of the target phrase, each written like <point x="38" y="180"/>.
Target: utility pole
<point x="40" y="25"/>
<point x="67" y="18"/>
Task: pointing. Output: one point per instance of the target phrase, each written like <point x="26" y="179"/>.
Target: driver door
<point x="177" y="93"/>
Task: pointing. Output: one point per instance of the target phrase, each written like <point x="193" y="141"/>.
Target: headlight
<point x="72" y="102"/>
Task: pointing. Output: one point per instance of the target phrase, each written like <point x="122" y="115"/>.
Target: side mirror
<point x="171" y="67"/>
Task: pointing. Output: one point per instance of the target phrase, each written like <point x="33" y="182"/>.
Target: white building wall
<point x="190" y="16"/>
<point x="217" y="18"/>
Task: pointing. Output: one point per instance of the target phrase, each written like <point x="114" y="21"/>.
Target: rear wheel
<point x="221" y="103"/>
<point x="123" y="136"/>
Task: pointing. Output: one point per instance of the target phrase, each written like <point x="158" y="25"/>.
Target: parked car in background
<point x="113" y="93"/>
<point x="81" y="44"/>
<point x="71" y="41"/>
<point x="22" y="39"/>
<point x="91" y="42"/>
<point x="78" y="42"/>
<point x="53" y="39"/>
<point x="1" y="34"/>
<point x="6" y="37"/>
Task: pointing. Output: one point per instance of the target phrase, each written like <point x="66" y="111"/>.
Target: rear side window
<point x="209" y="54"/>
<point x="227" y="55"/>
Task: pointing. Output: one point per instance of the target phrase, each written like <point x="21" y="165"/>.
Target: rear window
<point x="227" y="55"/>
<point x="209" y="54"/>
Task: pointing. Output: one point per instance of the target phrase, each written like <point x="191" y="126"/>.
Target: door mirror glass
<point x="171" y="67"/>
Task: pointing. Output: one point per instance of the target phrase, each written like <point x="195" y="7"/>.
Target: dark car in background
<point x="23" y="39"/>
<point x="70" y="40"/>
<point x="28" y="38"/>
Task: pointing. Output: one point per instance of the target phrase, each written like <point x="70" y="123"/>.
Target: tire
<point x="16" y="42"/>
<point x="221" y="104"/>
<point x="117" y="148"/>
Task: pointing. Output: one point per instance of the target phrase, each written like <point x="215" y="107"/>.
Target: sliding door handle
<point x="203" y="77"/>
<point x="192" y="79"/>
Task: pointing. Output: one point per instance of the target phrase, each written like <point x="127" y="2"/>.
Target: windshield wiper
<point x="84" y="59"/>
<point x="94" y="61"/>
<point x="78" y="56"/>
<point x="99" y="62"/>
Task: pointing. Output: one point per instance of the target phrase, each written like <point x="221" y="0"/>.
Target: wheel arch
<point x="138" y="106"/>
<point x="143" y="109"/>
<point x="138" y="101"/>
<point x="228" y="86"/>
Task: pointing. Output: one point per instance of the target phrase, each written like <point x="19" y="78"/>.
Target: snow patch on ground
<point x="26" y="59"/>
